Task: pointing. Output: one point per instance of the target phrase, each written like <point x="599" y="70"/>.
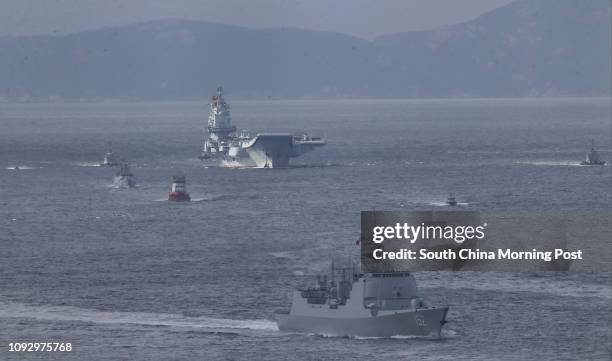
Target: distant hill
<point x="527" y="48"/>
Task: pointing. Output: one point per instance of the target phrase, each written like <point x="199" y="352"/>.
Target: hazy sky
<point x="364" y="18"/>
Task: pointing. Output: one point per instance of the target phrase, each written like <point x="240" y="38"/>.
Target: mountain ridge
<point x="526" y="48"/>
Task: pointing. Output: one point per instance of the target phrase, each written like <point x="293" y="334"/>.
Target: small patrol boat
<point x="110" y="160"/>
<point x="363" y="305"/>
<point x="124" y="177"/>
<point x="178" y="192"/>
<point x="592" y="157"/>
<point x="451" y="200"/>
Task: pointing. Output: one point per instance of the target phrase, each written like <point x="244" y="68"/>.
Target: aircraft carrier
<point x="265" y="150"/>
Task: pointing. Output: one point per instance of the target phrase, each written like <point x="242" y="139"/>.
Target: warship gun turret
<point x="265" y="150"/>
<point x="366" y="305"/>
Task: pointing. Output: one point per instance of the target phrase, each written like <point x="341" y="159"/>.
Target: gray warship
<point x="363" y="305"/>
<point x="451" y="200"/>
<point x="110" y="160"/>
<point x="265" y="150"/>
<point x="592" y="157"/>
<point x="124" y="177"/>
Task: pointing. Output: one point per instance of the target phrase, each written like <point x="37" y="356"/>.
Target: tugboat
<point x="592" y="157"/>
<point x="451" y="200"/>
<point x="109" y="159"/>
<point x="178" y="193"/>
<point x="364" y="305"/>
<point x="124" y="177"/>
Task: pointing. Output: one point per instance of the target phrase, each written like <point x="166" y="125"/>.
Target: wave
<point x="69" y="313"/>
<point x="316" y="165"/>
<point x="434" y="336"/>
<point x="282" y="254"/>
<point x="504" y="282"/>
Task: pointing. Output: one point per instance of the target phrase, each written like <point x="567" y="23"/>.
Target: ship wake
<point x="87" y="164"/>
<point x="174" y="321"/>
<point x="20" y="167"/>
<point x="234" y="164"/>
<point x="550" y="163"/>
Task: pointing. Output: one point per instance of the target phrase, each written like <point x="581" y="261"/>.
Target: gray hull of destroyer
<point x="420" y="322"/>
<point x="372" y="305"/>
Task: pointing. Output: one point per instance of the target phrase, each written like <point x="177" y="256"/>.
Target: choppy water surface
<point x="122" y="274"/>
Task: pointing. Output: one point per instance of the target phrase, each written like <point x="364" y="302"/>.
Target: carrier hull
<point x="419" y="322"/>
<point x="274" y="150"/>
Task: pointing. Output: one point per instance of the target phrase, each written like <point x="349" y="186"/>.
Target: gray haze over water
<point x="123" y="274"/>
<point x="363" y="18"/>
<point x="535" y="48"/>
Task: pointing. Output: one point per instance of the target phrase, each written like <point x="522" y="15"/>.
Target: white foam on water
<point x="193" y="200"/>
<point x="447" y="333"/>
<point x="234" y="164"/>
<point x="394" y="337"/>
<point x="87" y="164"/>
<point x="412" y="337"/>
<point x="438" y="204"/>
<point x="119" y="184"/>
<point x="444" y="204"/>
<point x="549" y="163"/>
<point x="20" y="167"/>
<point x="68" y="313"/>
<point x="367" y="338"/>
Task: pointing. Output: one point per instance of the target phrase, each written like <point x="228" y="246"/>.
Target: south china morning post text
<point x="453" y="240"/>
<point x="458" y="234"/>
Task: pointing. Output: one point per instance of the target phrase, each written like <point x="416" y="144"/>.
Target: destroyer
<point x="266" y="150"/>
<point x="124" y="177"/>
<point x="367" y="305"/>
<point x="592" y="157"/>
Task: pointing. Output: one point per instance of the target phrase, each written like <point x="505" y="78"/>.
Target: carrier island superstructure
<point x="266" y="150"/>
